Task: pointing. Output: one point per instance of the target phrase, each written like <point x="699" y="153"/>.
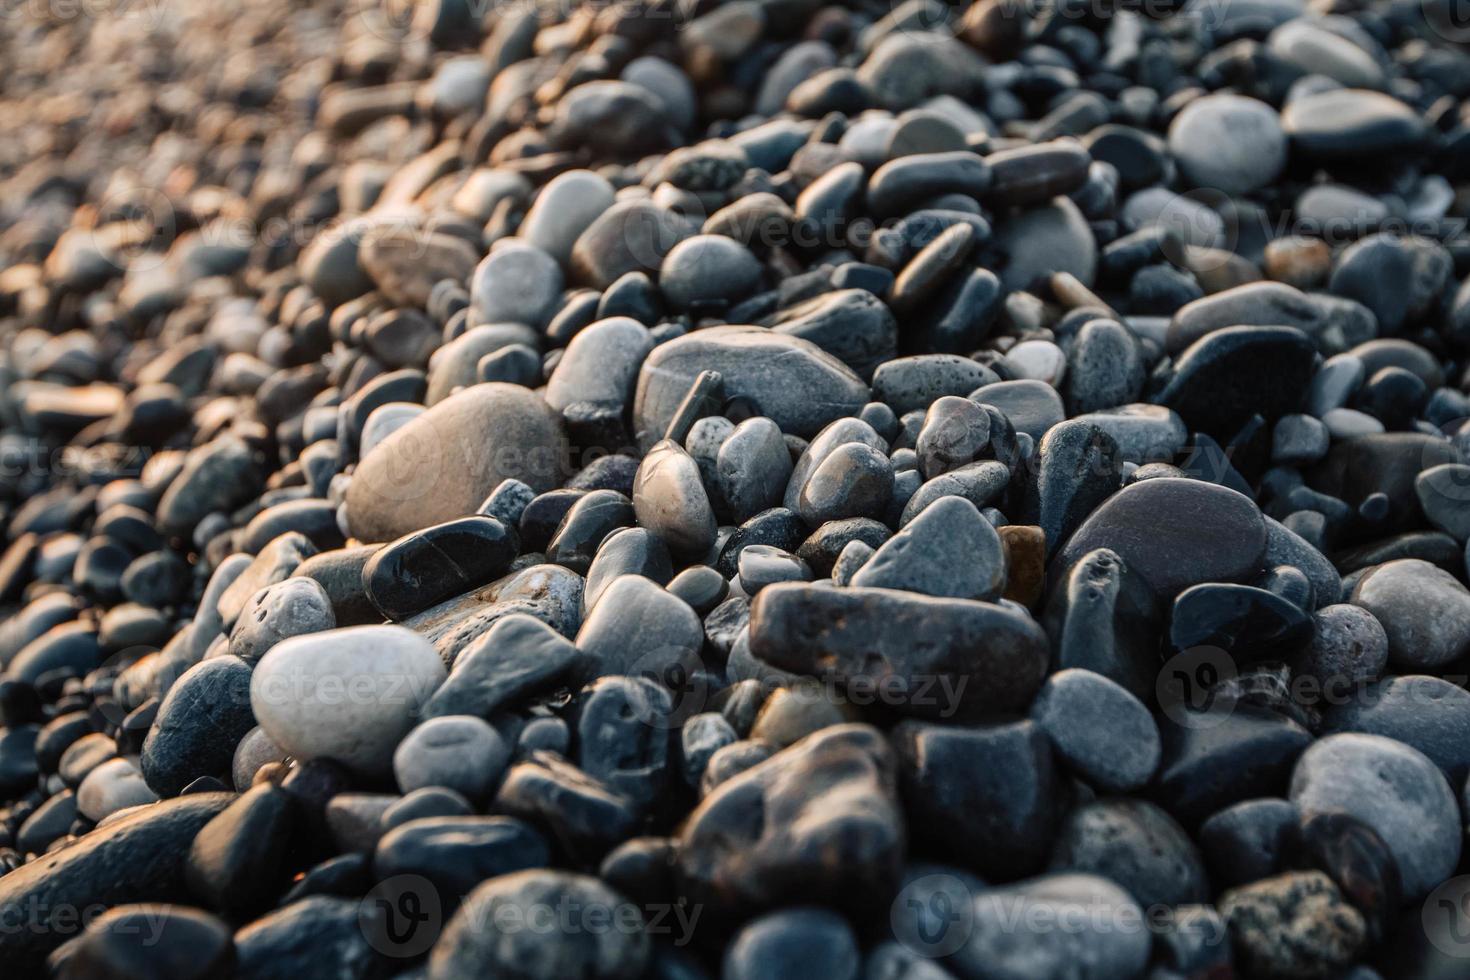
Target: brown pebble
<point x="1025" y="546"/>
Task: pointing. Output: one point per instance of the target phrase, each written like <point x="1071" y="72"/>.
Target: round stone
<point x="349" y="695"/>
<point x="1228" y="143"/>
<point x="1395" y="790"/>
<point x="458" y="752"/>
<point x="1424" y="610"/>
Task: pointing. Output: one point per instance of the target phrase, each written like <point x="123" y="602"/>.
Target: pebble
<point x="1032" y="406"/>
<point x="437" y="563"/>
<point x="455" y="852"/>
<point x="172" y="942"/>
<point x="1392" y="788"/>
<point x="600" y="365"/>
<point x="1246" y="842"/>
<point x="1351" y="124"/>
<point x="349" y="695"/>
<point x="202" y="718"/>
<point x="1098" y="729"/>
<point x="1228" y="143"/>
<point x="466" y="949"/>
<point x="949" y="550"/>
<point x="1424" y="611"/>
<point x="790" y="381"/>
<point x="238" y="861"/>
<point x="707" y="273"/>
<point x="1150" y="524"/>
<point x="441" y="465"/>
<point x="996" y="947"/>
<point x="457" y="752"/>
<point x="1425" y="713"/>
<point x="1294" y="925"/>
<point x="1137" y="845"/>
<point x="791" y="944"/>
<point x="974" y="658"/>
<point x="910" y="384"/>
<point x="670" y="500"/>
<point x="562" y="211"/>
<point x="841" y="856"/>
<point x="519" y="655"/>
<point x="637" y="627"/>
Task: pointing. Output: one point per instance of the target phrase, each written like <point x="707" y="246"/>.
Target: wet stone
<point x="929" y="657"/>
<point x="417" y="571"/>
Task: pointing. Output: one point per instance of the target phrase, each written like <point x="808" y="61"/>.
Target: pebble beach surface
<point x="753" y="489"/>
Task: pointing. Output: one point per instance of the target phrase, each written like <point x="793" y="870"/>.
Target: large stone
<point x="1175" y="533"/>
<point x="139" y="857"/>
<point x="953" y="659"/>
<point x="443" y="463"/>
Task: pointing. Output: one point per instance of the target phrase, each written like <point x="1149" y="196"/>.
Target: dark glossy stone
<point x="238" y="862"/>
<point x="165" y="942"/>
<point x="518" y="657"/>
<point x="1233" y="373"/>
<point x="591" y="519"/>
<point x="1244" y="621"/>
<point x="622" y="734"/>
<point x="201" y="720"/>
<point x="818" y="822"/>
<point x="140" y="857"/>
<point x="933" y="658"/>
<point x="1215" y="758"/>
<point x="456" y="853"/>
<point x="987" y="794"/>
<point x="437" y="563"/>
<point x="583" y="816"/>
<point x="296" y="939"/>
<point x="1356" y="859"/>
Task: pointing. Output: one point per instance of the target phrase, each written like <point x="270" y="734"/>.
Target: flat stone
<point x="1098" y="729"/>
<point x="1151" y="524"/>
<point x="975" y="658"/>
